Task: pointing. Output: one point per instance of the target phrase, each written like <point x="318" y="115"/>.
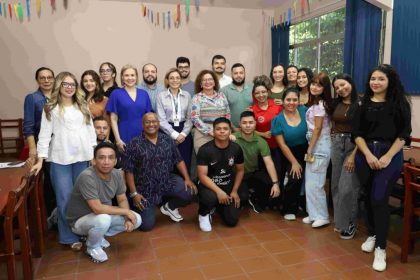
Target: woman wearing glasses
<point x="207" y="105"/>
<point x="174" y="111"/>
<point x="127" y="105"/>
<point x="34" y="105"/>
<point x="108" y="74"/>
<point x="66" y="140"/>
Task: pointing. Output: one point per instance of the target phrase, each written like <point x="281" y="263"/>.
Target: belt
<point x="378" y="142"/>
<point x="342" y="134"/>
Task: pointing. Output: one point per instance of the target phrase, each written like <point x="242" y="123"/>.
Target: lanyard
<point x="176" y="107"/>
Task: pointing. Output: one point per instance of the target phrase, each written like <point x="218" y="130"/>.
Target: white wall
<point x="90" y="32"/>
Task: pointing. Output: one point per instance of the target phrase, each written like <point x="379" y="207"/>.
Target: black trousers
<point x="291" y="190"/>
<point x="229" y="213"/>
<point x="260" y="182"/>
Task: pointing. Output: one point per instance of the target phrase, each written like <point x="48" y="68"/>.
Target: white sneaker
<point x="379" y="262"/>
<point x="204" y="221"/>
<point x="173" y="214"/>
<point x="97" y="255"/>
<point x="105" y="244"/>
<point x="290" y="217"/>
<point x="320" y="223"/>
<point x="306" y="220"/>
<point x="369" y="244"/>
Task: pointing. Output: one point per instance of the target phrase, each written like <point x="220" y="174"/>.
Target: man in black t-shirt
<point x="220" y="165"/>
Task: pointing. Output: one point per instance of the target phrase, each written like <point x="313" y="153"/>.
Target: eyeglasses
<point x="207" y="80"/>
<point x="49" y="78"/>
<point x="183" y="67"/>
<point x="174" y="78"/>
<point x="68" y="85"/>
<point x="105" y="70"/>
<point x="151" y="122"/>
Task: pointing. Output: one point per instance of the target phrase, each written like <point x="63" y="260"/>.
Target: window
<point x="318" y="43"/>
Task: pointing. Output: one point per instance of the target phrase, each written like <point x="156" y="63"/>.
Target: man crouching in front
<point x="90" y="212"/>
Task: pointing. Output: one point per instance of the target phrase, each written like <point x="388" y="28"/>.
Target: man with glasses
<point x="150" y="83"/>
<point x="33" y="107"/>
<point x="150" y="160"/>
<point x="183" y="65"/>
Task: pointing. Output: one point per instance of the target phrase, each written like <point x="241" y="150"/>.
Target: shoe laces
<point x="380" y="253"/>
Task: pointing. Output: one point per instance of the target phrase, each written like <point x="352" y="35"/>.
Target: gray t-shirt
<point x="89" y="186"/>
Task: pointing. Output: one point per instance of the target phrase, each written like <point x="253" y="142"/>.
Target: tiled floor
<point x="263" y="246"/>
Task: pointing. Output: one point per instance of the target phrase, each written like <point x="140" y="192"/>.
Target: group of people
<point x="231" y="143"/>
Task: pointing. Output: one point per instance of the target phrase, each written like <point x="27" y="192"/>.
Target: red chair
<point x="16" y="210"/>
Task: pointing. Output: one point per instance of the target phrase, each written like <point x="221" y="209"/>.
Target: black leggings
<point x="376" y="186"/>
<point x="291" y="190"/>
<point x="229" y="213"/>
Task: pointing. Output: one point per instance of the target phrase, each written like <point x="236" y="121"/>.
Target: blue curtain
<point x="405" y="49"/>
<point x="361" y="40"/>
<point x="280" y="44"/>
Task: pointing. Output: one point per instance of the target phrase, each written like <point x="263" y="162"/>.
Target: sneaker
<point x="76" y="246"/>
<point x="320" y="223"/>
<point x="97" y="255"/>
<point x="290" y="217"/>
<point x="369" y="244"/>
<point x="204" y="222"/>
<point x="173" y="214"/>
<point x="307" y="220"/>
<point x="349" y="233"/>
<point x="105" y="244"/>
<point x="379" y="262"/>
<point x="254" y="205"/>
<point x="52" y="220"/>
<point x="337" y="230"/>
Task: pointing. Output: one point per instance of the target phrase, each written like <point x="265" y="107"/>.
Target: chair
<point x="411" y="209"/>
<point x="16" y="210"/>
<point x="36" y="213"/>
<point x="11" y="136"/>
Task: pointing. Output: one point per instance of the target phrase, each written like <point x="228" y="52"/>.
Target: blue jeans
<point x="95" y="227"/>
<point x="315" y="175"/>
<point x="177" y="197"/>
<point x="63" y="178"/>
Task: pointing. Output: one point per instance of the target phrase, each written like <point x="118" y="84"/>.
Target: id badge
<point x="176" y="122"/>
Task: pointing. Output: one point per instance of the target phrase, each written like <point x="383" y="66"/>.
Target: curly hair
<point x="264" y="81"/>
<point x="56" y="99"/>
<point x="197" y="84"/>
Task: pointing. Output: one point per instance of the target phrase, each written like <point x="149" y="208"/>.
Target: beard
<point x="185" y="76"/>
<point x="149" y="82"/>
<point x="238" y="83"/>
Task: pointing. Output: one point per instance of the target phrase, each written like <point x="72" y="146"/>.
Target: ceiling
<point x="244" y="4"/>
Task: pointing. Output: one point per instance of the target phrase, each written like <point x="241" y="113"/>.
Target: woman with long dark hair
<point x="291" y="75"/>
<point x="304" y="77"/>
<point x="108" y="74"/>
<point x="90" y="83"/>
<point x="344" y="182"/>
<point x="381" y="127"/>
<point x="279" y="83"/>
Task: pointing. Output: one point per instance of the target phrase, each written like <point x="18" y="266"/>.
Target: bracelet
<point x="275" y="182"/>
<point x="133" y="194"/>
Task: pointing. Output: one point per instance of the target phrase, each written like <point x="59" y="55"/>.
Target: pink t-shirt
<point x="318" y="111"/>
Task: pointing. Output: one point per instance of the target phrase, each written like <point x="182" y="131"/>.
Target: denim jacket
<point x="34" y="104"/>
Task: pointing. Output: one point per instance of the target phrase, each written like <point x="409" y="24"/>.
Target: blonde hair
<point x="56" y="99"/>
<point x="125" y="68"/>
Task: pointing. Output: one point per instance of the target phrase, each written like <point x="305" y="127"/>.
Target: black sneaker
<point x="348" y="233"/>
<point x="255" y="206"/>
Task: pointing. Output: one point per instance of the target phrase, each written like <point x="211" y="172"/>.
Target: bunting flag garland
<point x="163" y="20"/>
<point x="28" y="10"/>
<point x="20" y="11"/>
<point x="53" y="6"/>
<point x="289" y="16"/>
<point x="1" y="9"/>
<point x="151" y="16"/>
<point x="187" y="9"/>
<point x="15" y="8"/>
<point x="4" y="10"/>
<point x="10" y="10"/>
<point x="197" y="4"/>
<point x="169" y="19"/>
<point x="178" y="13"/>
<point x="38" y="7"/>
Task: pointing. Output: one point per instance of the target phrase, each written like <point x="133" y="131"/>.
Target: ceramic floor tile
<point x="272" y="274"/>
<point x="306" y="270"/>
<point x="206" y="246"/>
<point x="267" y="236"/>
<point x="342" y="263"/>
<point x="137" y="270"/>
<point x="294" y="257"/>
<point x="220" y="270"/>
<point x="190" y="274"/>
<point x="57" y="270"/>
<point x="258" y="264"/>
<point x="172" y="251"/>
<point x="247" y="252"/>
<point x="98" y="275"/>
<point x="176" y="264"/>
<point x="241" y="240"/>
<point x="280" y="246"/>
<point x="213" y="257"/>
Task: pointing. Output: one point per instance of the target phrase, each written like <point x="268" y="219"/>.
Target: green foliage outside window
<point x="318" y="43"/>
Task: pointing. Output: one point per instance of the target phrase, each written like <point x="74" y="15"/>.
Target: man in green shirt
<point x="238" y="93"/>
<point x="262" y="183"/>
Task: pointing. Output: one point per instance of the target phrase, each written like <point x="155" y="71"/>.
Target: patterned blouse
<point x="151" y="165"/>
<point x="206" y="109"/>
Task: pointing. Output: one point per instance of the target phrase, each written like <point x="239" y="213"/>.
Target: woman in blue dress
<point x="127" y="105"/>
